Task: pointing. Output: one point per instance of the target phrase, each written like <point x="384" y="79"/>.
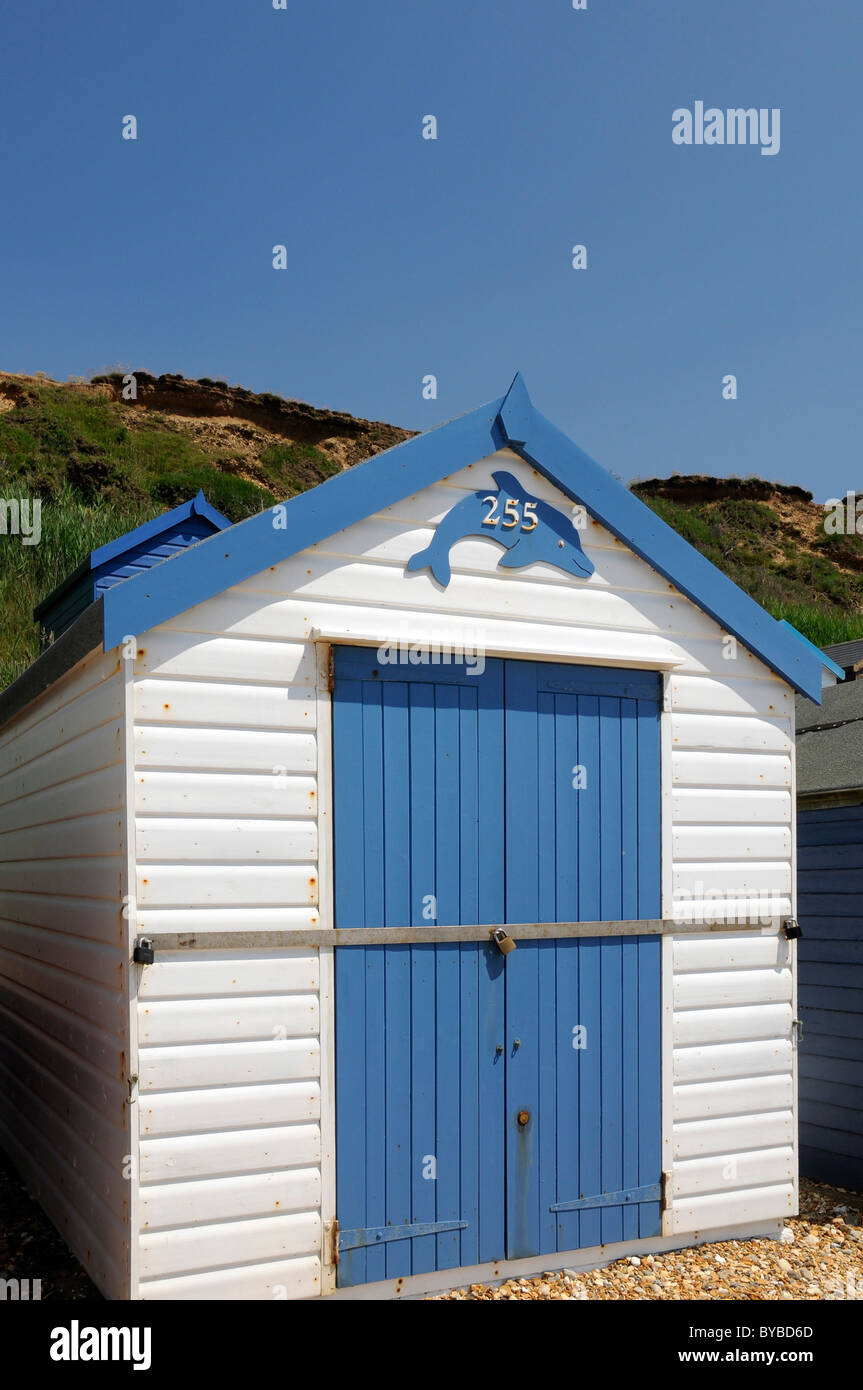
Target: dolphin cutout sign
<point x="529" y="529"/>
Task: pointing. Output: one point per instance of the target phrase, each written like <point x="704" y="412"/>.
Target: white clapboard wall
<point x="64" y="1000"/>
<point x="235" y="1108"/>
<point x="733" y="1133"/>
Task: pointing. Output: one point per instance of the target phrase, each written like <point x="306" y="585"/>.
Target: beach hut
<point x="398" y="889"/>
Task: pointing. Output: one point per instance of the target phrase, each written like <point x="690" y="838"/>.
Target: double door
<point x="494" y="1106"/>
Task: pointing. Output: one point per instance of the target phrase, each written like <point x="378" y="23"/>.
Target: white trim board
<point x="445" y="633"/>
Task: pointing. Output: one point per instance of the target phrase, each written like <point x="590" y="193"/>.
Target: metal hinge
<point x="331" y="671"/>
<point x="652" y="1192"/>
<point x="666" y="1191"/>
<point x="797" y="1031"/>
<point x="363" y="1236"/>
<point x="331" y="1242"/>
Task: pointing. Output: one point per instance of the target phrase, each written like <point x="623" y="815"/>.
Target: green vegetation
<point x="294" y="467"/>
<point x="819" y="624"/>
<point x="820" y="593"/>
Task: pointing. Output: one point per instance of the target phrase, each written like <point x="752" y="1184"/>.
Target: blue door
<point x="583" y="1132"/>
<point x="491" y="1106"/>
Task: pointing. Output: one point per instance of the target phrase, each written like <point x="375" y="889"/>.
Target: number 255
<point x="511" y="515"/>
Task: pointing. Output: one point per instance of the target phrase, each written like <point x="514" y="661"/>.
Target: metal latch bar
<point x="420" y="936"/>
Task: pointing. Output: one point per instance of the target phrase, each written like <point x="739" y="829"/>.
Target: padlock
<point x="143" y="953"/>
<point x="503" y="941"/>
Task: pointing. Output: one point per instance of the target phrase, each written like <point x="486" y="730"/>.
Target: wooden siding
<point x="830" y="885"/>
<point x="733" y="1092"/>
<point x="64" y="1111"/>
<point x="229" y="1113"/>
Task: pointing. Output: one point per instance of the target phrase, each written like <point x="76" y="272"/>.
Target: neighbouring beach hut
<point x="272" y="815"/>
<point x="132" y="554"/>
<point x="830" y="878"/>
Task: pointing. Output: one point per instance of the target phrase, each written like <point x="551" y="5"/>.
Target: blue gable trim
<point x="251" y="546"/>
<point x="838" y="671"/>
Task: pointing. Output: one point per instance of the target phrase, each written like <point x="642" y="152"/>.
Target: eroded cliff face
<point x="249" y="420"/>
<point x="228" y="421"/>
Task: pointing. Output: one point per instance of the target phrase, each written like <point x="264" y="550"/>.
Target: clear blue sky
<point x="452" y="257"/>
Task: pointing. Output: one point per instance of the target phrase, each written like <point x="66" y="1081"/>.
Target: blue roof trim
<point x="199" y="506"/>
<point x="516" y="412"/>
<point x="826" y="660"/>
<point x="215" y="564"/>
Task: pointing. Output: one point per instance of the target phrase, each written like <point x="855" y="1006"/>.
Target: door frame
<point x="323" y="645"/>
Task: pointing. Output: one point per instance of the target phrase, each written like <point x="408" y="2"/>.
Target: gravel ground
<point x="820" y="1257"/>
<point x="30" y="1247"/>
